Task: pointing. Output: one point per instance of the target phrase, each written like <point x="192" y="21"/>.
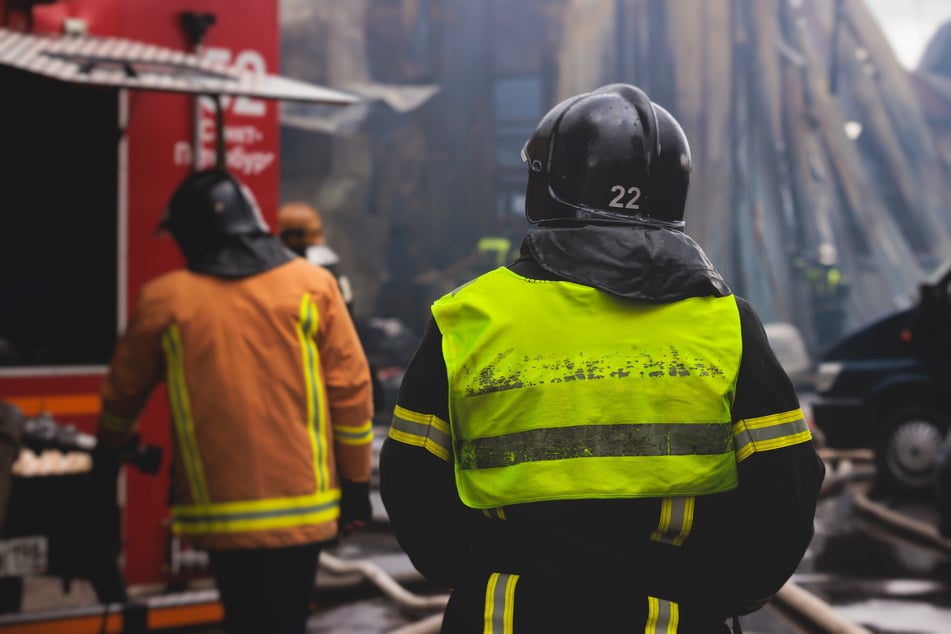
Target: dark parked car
<point x="888" y="387"/>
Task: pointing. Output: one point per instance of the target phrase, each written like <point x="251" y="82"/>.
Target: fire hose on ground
<point x="386" y="583"/>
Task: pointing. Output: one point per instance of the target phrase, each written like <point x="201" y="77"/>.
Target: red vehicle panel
<point x="154" y="155"/>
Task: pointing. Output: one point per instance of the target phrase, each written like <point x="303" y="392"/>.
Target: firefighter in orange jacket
<point x="270" y="397"/>
<point x="597" y="437"/>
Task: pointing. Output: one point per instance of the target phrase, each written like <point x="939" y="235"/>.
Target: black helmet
<point x="208" y="206"/>
<point x="608" y="156"/>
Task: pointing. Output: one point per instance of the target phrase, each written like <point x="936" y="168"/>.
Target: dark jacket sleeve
<point x="769" y="517"/>
<point x="417" y="481"/>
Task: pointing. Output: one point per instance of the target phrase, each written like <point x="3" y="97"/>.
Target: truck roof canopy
<point x="122" y="63"/>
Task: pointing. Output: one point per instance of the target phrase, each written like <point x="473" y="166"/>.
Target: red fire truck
<point x="105" y="106"/>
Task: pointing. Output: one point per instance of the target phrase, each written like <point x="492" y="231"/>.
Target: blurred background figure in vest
<point x="576" y="446"/>
<point x="828" y="291"/>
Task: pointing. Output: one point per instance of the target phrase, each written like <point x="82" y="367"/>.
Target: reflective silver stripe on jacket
<point x="766" y="433"/>
<point x="676" y="520"/>
<point x="663" y="616"/>
<point x="587" y="441"/>
<point x="422" y="430"/>
<point x="500" y="604"/>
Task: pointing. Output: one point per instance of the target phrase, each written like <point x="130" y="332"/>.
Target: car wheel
<point x="908" y="448"/>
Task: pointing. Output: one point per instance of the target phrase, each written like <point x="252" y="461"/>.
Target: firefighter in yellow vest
<point x="828" y="292"/>
<point x="494" y="251"/>
<point x="597" y="437"/>
<point x="270" y="398"/>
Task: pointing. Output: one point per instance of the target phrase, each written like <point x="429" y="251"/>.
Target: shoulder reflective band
<point x="770" y="432"/>
<point x="591" y="441"/>
<point x="421" y="430"/>
<point x="500" y="603"/>
<point x="663" y="617"/>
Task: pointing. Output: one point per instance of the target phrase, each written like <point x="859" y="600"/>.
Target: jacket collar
<point x="241" y="256"/>
<point x="652" y="264"/>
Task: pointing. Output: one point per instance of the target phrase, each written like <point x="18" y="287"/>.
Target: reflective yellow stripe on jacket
<point x="353" y="434"/>
<point x="316" y="399"/>
<point x="542" y="404"/>
<point x="500" y="604"/>
<point x="663" y="617"/>
<point x="182" y="416"/>
<point x="207" y="515"/>
<point x="422" y="430"/>
<point x="676" y="520"/>
<point x="257" y="515"/>
<point x="765" y="433"/>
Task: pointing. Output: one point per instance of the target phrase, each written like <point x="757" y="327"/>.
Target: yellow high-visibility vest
<point x="560" y="391"/>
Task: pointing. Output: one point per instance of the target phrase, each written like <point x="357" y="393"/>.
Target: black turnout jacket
<point x="598" y="565"/>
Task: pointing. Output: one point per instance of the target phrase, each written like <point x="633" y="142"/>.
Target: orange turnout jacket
<point x="270" y="395"/>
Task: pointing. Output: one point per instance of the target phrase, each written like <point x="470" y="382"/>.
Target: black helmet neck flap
<point x="608" y="157"/>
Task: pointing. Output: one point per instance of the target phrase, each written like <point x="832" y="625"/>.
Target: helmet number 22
<point x="635" y="193"/>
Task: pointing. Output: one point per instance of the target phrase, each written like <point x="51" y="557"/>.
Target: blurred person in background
<point x="301" y="229"/>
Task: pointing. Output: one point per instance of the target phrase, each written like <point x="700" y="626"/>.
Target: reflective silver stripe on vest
<point x="596" y="441"/>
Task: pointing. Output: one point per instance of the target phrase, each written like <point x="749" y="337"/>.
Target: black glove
<point x="355" y="509"/>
